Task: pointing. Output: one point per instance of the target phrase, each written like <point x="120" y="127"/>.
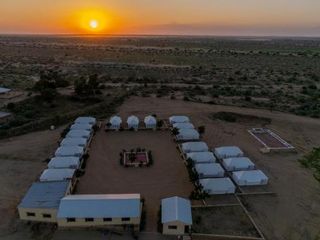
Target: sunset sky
<point x="187" y="17"/>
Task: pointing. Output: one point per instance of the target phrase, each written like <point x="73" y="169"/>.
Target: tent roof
<point x="74" y="142"/>
<point x="237" y="162"/>
<point x="195" y="147"/>
<point x="250" y="176"/>
<point x="115" y="120"/>
<point x="209" y="168"/>
<point x="69" y="151"/>
<point x="176" y="209"/>
<point x="186" y="125"/>
<point x="4" y="114"/>
<point x="64" y="162"/>
<point x="216" y="184"/>
<point x="150" y="120"/>
<point x="78" y="133"/>
<point x="228" y="151"/>
<point x="186" y="133"/>
<point x="4" y="90"/>
<point x="133" y="120"/>
<point x="179" y="119"/>
<point x="90" y="120"/>
<point x="81" y="126"/>
<point x="44" y="195"/>
<point x="100" y="206"/>
<point x="52" y="174"/>
<point x="201" y="156"/>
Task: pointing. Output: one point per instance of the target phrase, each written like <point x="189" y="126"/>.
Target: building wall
<point x="23" y="214"/>
<point x="179" y="231"/>
<point x="81" y="222"/>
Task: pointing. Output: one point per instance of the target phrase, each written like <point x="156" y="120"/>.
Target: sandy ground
<point x="167" y="177"/>
<point x="293" y="213"/>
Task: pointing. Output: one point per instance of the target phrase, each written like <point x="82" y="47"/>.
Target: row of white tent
<point x="186" y="130"/>
<point x="132" y="122"/>
<point x="211" y="173"/>
<point x="68" y="156"/>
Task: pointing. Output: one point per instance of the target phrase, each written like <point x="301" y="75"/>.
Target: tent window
<point x="89" y="219"/>
<point x="31" y="214"/>
<point x="172" y="227"/>
<point x="71" y="219"/>
<point x="107" y="219"/>
<point x="46" y="215"/>
<point x="125" y="219"/>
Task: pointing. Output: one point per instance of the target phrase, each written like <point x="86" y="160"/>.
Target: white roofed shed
<point x="79" y="133"/>
<point x="81" y="142"/>
<point x="215" y="186"/>
<point x="194" y="147"/>
<point x="178" y="119"/>
<point x="115" y="122"/>
<point x="209" y="170"/>
<point x="201" y="157"/>
<point x="133" y="122"/>
<point x="238" y="163"/>
<point x="86" y="120"/>
<point x="183" y="125"/>
<point x="228" y="152"/>
<point x="50" y="175"/>
<point x="250" y="178"/>
<point x="69" y="151"/>
<point x="187" y="135"/>
<point x="64" y="162"/>
<point x="81" y="126"/>
<point x="150" y="122"/>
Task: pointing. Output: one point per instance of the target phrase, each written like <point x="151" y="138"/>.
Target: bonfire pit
<point x="136" y="158"/>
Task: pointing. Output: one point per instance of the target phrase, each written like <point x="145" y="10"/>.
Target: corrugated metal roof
<point x="194" y="147"/>
<point x="53" y="174"/>
<point x="176" y="209"/>
<point x="100" y="206"/>
<point x="178" y="119"/>
<point x="44" y="195"/>
<point x="228" y="151"/>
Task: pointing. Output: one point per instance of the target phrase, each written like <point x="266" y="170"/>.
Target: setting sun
<point x="94" y="24"/>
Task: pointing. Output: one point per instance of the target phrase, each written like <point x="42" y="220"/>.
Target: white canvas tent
<point x="215" y="186"/>
<point x="183" y="126"/>
<point x="178" y="119"/>
<point x="201" y="157"/>
<point x="228" y="152"/>
<point x="78" y="133"/>
<point x="250" y="178"/>
<point x="238" y="163"/>
<point x="50" y="175"/>
<point x="64" y="162"/>
<point x="133" y="122"/>
<point x="150" y="122"/>
<point x="86" y="120"/>
<point x="69" y="151"/>
<point x="188" y="135"/>
<point x="81" y="126"/>
<point x="115" y="122"/>
<point x="81" y="142"/>
<point x="209" y="170"/>
<point x="194" y="147"/>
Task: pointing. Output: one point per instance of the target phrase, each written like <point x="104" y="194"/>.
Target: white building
<point x="81" y="126"/>
<point x="115" y="122"/>
<point x="183" y="126"/>
<point x="178" y="119"/>
<point x="238" y="163"/>
<point x="52" y="174"/>
<point x="250" y="178"/>
<point x="176" y="216"/>
<point x="150" y="122"/>
<point x="228" y="152"/>
<point x="69" y="151"/>
<point x="215" y="186"/>
<point x="194" y="147"/>
<point x="100" y="210"/>
<point x="42" y="201"/>
<point x="201" y="157"/>
<point x="64" y="162"/>
<point x="81" y="142"/>
<point x="133" y="122"/>
<point x="187" y="135"/>
<point x="86" y="120"/>
<point x="209" y="170"/>
<point x="78" y="133"/>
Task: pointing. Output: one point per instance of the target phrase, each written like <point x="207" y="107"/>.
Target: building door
<point x="186" y="229"/>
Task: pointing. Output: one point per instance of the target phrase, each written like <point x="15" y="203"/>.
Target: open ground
<point x="293" y="213"/>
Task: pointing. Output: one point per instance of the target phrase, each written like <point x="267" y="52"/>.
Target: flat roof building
<point x="100" y="210"/>
<point x="42" y="200"/>
<point x="176" y="216"/>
